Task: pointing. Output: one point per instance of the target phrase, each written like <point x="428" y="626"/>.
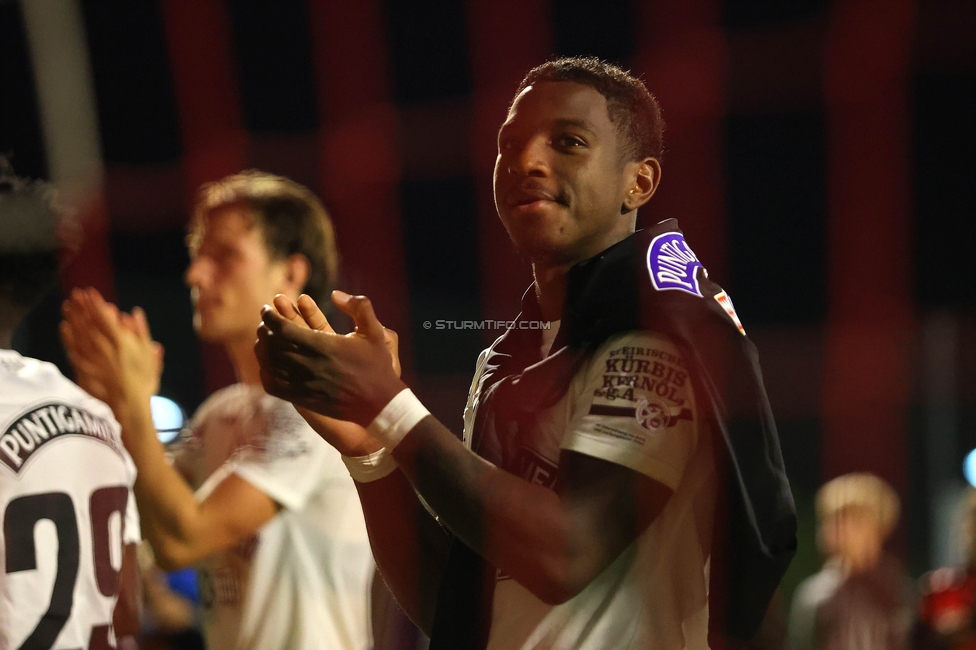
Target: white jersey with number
<point x="303" y="581"/>
<point x="66" y="506"/>
<point x="632" y="404"/>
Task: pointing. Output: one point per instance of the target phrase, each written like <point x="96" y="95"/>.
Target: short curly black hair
<point x="632" y="108"/>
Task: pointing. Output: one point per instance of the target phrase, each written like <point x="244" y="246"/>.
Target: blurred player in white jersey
<point x="269" y="513"/>
<point x="69" y="523"/>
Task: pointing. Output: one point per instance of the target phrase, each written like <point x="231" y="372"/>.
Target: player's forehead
<point x="230" y="225"/>
<point x="559" y="102"/>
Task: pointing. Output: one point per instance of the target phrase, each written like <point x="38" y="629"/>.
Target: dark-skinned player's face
<point x="560" y="176"/>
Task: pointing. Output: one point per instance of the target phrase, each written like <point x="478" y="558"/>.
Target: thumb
<point x="361" y="310"/>
<point x="160" y="352"/>
<point x="141" y="323"/>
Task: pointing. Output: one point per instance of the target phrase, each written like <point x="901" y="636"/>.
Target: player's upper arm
<point x="635" y="407"/>
<point x="631" y="433"/>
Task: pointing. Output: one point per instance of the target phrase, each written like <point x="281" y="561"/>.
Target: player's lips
<point x="206" y="304"/>
<point x="525" y="196"/>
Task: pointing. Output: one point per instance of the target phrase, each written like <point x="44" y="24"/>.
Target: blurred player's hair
<point x="31" y="225"/>
<point x="291" y="218"/>
<point x="860" y="490"/>
<point x="632" y="108"/>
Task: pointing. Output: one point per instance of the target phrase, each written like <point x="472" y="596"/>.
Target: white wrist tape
<point x="365" y="469"/>
<point x="401" y="414"/>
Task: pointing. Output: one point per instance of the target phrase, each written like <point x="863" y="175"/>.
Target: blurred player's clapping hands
<point x="113" y="354"/>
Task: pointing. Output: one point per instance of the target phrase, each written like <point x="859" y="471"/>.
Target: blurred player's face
<point x="231" y="276"/>
<point x="855" y="535"/>
<point x="560" y="178"/>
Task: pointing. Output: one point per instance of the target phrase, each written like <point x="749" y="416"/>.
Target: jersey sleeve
<point x="288" y="461"/>
<point x="634" y="406"/>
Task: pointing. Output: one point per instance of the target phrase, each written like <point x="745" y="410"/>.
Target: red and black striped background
<point x="819" y="158"/>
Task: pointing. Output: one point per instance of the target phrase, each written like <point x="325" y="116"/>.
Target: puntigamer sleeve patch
<point x="636" y="404"/>
<point x="673" y="265"/>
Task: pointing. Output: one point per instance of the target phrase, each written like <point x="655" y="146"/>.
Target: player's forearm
<point x="409" y="546"/>
<point x="523" y="529"/>
<point x="167" y="507"/>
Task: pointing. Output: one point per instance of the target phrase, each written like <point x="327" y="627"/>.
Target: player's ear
<point x="297" y="271"/>
<point x="644" y="177"/>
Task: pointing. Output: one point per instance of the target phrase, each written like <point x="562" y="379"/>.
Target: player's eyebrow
<point x="564" y="122"/>
<point x="559" y="123"/>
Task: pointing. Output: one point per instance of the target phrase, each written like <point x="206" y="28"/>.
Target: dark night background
<point x="393" y="125"/>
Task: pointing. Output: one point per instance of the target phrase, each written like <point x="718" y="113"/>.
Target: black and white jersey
<point x="66" y="508"/>
<point x="630" y="403"/>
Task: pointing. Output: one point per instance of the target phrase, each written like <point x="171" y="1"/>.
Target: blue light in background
<point x="168" y="418"/>
<point x="969" y="467"/>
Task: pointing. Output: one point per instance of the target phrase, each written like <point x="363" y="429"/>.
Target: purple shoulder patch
<point x="672" y="264"/>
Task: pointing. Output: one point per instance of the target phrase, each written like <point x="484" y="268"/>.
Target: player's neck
<point x="551" y="276"/>
<point x="241" y="353"/>
<point x="6" y="339"/>
<point x="550" y="287"/>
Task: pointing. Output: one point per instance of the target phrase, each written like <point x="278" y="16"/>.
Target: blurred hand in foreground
<point x="112" y="352"/>
<point x="337" y="382"/>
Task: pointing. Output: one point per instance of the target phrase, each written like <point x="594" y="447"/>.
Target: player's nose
<point x="529" y="158"/>
<point x="197" y="273"/>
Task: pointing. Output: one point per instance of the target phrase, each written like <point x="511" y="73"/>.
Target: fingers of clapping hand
<point x="89" y="334"/>
<point x="313" y="315"/>
<point x="287" y="309"/>
<point x="103" y="315"/>
<point x="140" y="324"/>
<point x="81" y="362"/>
<point x="282" y="333"/>
<point x="85" y="344"/>
<point x="271" y="346"/>
<point x="360" y="308"/>
<point x="271" y="320"/>
<point x="136" y="323"/>
<point x="393" y="345"/>
<point x="305" y="314"/>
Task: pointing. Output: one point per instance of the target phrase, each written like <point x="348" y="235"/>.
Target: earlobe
<point x="645" y="182"/>
<point x="297" y="271"/>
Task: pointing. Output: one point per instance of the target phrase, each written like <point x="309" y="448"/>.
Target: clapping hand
<point x="338" y="382"/>
<point x="112" y="352"/>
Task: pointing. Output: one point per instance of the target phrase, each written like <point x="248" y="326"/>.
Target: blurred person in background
<point x="947" y="612"/>
<point x="861" y="599"/>
<point x="270" y="513"/>
<point x="69" y="575"/>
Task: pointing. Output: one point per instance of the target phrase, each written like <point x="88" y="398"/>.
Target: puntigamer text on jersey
<point x="44" y="423"/>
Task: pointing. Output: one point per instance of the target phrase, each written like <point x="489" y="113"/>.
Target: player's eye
<point x="570" y="141"/>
